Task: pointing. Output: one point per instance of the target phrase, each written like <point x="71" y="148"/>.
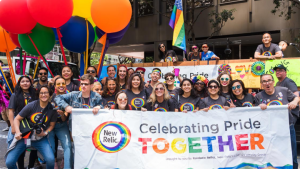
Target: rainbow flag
<point x="177" y="24"/>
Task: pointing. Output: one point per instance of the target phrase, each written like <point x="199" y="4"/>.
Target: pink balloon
<point x="15" y="16"/>
<point x="51" y="13"/>
<point x="14" y="38"/>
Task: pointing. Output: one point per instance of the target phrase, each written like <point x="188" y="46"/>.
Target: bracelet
<point x="46" y="133"/>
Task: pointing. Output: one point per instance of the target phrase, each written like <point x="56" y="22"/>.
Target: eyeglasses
<point x="43" y="73"/>
<point x="266" y="82"/>
<point x="44" y="93"/>
<point x="84" y="84"/>
<point x="121" y="99"/>
<point x="162" y="46"/>
<point x="90" y="71"/>
<point x="140" y="72"/>
<point x="157" y="89"/>
<point x="204" y="47"/>
<point x="236" y="87"/>
<point x="60" y="84"/>
<point x="213" y="87"/>
<point x="199" y="83"/>
<point x="170" y="78"/>
<point x="194" y="47"/>
<point x="225" y="79"/>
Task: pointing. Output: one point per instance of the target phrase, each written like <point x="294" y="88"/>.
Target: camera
<point x="38" y="128"/>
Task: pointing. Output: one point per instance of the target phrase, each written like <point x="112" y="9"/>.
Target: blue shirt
<point x="207" y="56"/>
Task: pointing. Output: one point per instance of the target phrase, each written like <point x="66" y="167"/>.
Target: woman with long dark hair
<point x="224" y="80"/>
<point x="121" y="101"/>
<point x="40" y="120"/>
<point x="67" y="74"/>
<point x="137" y="95"/>
<point x="239" y="95"/>
<point x="200" y="83"/>
<point x="187" y="98"/>
<point x="111" y="88"/>
<point x="166" y="56"/>
<point x="24" y="94"/>
<point x="122" y="77"/>
<point x="61" y="129"/>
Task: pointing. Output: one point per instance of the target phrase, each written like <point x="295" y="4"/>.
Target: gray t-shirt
<point x="264" y="50"/>
<point x="109" y="100"/>
<point x="210" y="103"/>
<point x="137" y="101"/>
<point x="188" y="104"/>
<point x="281" y="96"/>
<point x="288" y="83"/>
<point x="13" y="102"/>
<point x="165" y="106"/>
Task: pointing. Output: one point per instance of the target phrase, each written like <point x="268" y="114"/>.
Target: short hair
<point x="233" y="97"/>
<point x="266" y="33"/>
<point x="48" y="88"/>
<point x="129" y="84"/>
<point x="284" y="41"/>
<point x="265" y="75"/>
<point x="92" y="67"/>
<point x="87" y="77"/>
<point x="43" y="68"/>
<point x="156" y="69"/>
<point x="111" y="66"/>
<point x="96" y="84"/>
<point x="169" y="74"/>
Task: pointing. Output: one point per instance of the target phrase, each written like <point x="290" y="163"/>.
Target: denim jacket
<point x="74" y="99"/>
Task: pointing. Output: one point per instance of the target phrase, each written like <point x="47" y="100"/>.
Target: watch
<point x="46" y="132"/>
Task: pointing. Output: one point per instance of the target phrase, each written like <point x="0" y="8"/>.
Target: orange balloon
<point x="5" y="41"/>
<point x="111" y="15"/>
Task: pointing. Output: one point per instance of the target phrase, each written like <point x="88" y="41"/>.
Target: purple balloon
<point x="258" y="68"/>
<point x="100" y="33"/>
<point x="115" y="40"/>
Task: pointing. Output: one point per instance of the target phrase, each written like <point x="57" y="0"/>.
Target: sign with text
<point x="237" y="138"/>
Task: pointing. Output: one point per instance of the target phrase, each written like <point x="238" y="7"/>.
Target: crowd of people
<point x="42" y="110"/>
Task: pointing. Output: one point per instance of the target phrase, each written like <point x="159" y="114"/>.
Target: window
<point x="231" y="1"/>
<point x="145" y="7"/>
<point x="197" y="3"/>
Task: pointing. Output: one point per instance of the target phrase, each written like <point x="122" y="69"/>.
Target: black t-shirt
<point x="123" y="87"/>
<point x="189" y="103"/>
<point x="226" y="95"/>
<point x="170" y="53"/>
<point x="72" y="87"/>
<point x="86" y="103"/>
<point x="109" y="100"/>
<point x="149" y="90"/>
<point x="288" y="83"/>
<point x="137" y="101"/>
<point x="13" y="102"/>
<point x="33" y="111"/>
<point x="165" y="106"/>
<point x="210" y="103"/>
<point x="247" y="101"/>
<point x="174" y="93"/>
<point x="264" y="50"/>
<point x="192" y="57"/>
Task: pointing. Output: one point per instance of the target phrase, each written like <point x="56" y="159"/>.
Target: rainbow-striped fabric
<point x="177" y="24"/>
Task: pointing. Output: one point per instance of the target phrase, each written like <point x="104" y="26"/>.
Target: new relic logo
<point x="111" y="137"/>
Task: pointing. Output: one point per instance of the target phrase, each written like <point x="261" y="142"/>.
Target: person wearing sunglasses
<point x="92" y="71"/>
<point x="121" y="101"/>
<point x="137" y="95"/>
<point x="67" y="74"/>
<point x="97" y="87"/>
<point x="122" y="77"/>
<point x="276" y="96"/>
<point x="61" y="129"/>
<point x="166" y="56"/>
<point x="224" y="79"/>
<point x="187" y="98"/>
<point x="155" y="76"/>
<point x="195" y="54"/>
<point x="206" y="54"/>
<point x="170" y="80"/>
<point x="239" y="95"/>
<point x="39" y="121"/>
<point x="130" y="71"/>
<point x="111" y="88"/>
<point x="214" y="100"/>
<point x="141" y="71"/>
<point x="43" y="78"/>
<point x="160" y="100"/>
<point x="200" y="83"/>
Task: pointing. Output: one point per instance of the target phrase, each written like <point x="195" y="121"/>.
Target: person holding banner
<point x="170" y="80"/>
<point x="121" y="101"/>
<point x="155" y="76"/>
<point x="239" y="95"/>
<point x="267" y="50"/>
<point x="67" y="74"/>
<point x="61" y="130"/>
<point x="111" y="88"/>
<point x="187" y="98"/>
<point x="272" y="96"/>
<point x="122" y="77"/>
<point x="214" y="100"/>
<point x="40" y="118"/>
<point x="97" y="87"/>
<point x="137" y="95"/>
<point x="160" y="100"/>
<point x="224" y="79"/>
<point x="200" y="83"/>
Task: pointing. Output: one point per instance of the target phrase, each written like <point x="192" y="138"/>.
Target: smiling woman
<point x="239" y="95"/>
<point x="111" y="87"/>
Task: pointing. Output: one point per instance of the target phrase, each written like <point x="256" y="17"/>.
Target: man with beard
<point x="155" y="76"/>
<point x="43" y="78"/>
<point x="111" y="72"/>
<point x="284" y="81"/>
<point x="267" y="50"/>
<point x="278" y="95"/>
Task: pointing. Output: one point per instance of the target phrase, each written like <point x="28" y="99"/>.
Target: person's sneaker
<point x="55" y="165"/>
<point x="6" y="129"/>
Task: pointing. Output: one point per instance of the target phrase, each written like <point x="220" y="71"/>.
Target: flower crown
<point x="199" y="77"/>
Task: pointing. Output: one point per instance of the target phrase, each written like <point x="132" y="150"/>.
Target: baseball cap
<point x="140" y="68"/>
<point x="279" y="67"/>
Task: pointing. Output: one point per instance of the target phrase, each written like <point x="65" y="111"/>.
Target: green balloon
<point x="96" y="37"/>
<point x="43" y="38"/>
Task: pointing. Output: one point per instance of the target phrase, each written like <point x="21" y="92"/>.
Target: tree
<point x="285" y="10"/>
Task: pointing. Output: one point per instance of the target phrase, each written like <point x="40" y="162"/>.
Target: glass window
<point x="198" y="4"/>
<point x="145" y="7"/>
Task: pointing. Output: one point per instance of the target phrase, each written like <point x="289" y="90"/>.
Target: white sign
<point x="237" y="138"/>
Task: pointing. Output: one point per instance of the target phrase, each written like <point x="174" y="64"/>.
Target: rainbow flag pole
<point x="177" y="24"/>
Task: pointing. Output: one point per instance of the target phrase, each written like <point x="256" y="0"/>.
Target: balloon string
<point x="21" y="62"/>
<point x="6" y="82"/>
<point x="24" y="63"/>
<point x="11" y="70"/>
<point x="61" y="45"/>
<point x="40" y="55"/>
<point x="4" y="91"/>
<point x="103" y="41"/>
<point x="87" y="46"/>
<point x="37" y="64"/>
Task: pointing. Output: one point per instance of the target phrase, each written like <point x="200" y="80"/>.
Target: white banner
<point x="237" y="138"/>
<point x="209" y="71"/>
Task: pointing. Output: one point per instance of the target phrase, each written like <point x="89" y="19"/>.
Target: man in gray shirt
<point x="267" y="50"/>
<point x="284" y="81"/>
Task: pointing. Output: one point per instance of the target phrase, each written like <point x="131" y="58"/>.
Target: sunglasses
<point x="157" y="89"/>
<point x="60" y="84"/>
<point x="43" y="73"/>
<point x="213" y="87"/>
<point x="121" y="99"/>
<point x="90" y="71"/>
<point x="84" y="84"/>
<point x="236" y="87"/>
<point x="225" y="79"/>
<point x="140" y="72"/>
<point x="170" y="78"/>
<point x="194" y="47"/>
<point x="199" y="83"/>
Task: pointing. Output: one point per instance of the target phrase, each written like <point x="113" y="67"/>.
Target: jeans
<point x="10" y="137"/>
<point x="42" y="146"/>
<point x="294" y="146"/>
<point x="62" y="132"/>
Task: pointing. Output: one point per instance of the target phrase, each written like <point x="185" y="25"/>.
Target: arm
<point x="62" y="115"/>
<point x="17" y="120"/>
<point x="215" y="57"/>
<point x="278" y="54"/>
<point x="293" y="104"/>
<point x="257" y="55"/>
<point x="11" y="120"/>
<point x="63" y="100"/>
